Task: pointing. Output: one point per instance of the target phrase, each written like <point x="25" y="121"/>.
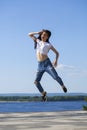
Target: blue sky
<point x="67" y="20"/>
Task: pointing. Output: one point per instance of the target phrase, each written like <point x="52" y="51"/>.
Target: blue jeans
<point x="46" y="66"/>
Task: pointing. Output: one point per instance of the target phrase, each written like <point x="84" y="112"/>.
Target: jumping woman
<point x="43" y="46"/>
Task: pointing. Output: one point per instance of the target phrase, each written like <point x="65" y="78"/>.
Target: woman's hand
<point x="55" y="63"/>
<point x="41" y="32"/>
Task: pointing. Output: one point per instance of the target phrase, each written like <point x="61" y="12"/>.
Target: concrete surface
<point x="67" y="120"/>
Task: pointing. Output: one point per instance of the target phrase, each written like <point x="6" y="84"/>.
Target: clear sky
<point x="67" y="20"/>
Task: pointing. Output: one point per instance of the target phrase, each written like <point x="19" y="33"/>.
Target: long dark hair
<point x="39" y="37"/>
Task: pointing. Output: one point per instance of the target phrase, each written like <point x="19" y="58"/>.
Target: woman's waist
<point x="41" y="57"/>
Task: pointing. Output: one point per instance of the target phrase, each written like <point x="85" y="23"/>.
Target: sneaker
<point x="44" y="97"/>
<point x="64" y="89"/>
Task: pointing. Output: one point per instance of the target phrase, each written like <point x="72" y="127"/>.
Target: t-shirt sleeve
<point x="38" y="41"/>
<point x="50" y="45"/>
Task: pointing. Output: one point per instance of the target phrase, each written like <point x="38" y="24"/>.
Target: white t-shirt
<point x="43" y="47"/>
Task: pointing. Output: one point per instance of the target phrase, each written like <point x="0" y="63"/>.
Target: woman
<point x="43" y="46"/>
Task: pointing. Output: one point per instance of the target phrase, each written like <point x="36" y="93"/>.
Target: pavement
<point x="65" y="120"/>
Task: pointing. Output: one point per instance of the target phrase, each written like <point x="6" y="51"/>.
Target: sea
<point x="8" y="107"/>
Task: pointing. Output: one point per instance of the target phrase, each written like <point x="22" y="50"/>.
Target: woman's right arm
<point x="34" y="33"/>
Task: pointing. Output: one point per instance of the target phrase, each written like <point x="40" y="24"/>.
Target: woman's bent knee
<point x="35" y="82"/>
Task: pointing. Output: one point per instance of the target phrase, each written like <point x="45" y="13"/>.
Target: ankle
<point x="63" y="86"/>
<point x="44" y="93"/>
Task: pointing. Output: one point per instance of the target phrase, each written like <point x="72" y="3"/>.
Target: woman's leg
<point x="55" y="76"/>
<point x="38" y="85"/>
<point x="51" y="70"/>
<point x="37" y="81"/>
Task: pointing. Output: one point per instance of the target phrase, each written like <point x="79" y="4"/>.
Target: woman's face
<point x="44" y="36"/>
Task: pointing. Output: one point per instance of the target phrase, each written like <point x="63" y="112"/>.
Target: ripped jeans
<point x="46" y="66"/>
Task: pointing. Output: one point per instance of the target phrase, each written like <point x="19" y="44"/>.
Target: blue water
<point x="41" y="106"/>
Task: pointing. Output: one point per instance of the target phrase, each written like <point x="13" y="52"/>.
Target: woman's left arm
<point x="57" y="56"/>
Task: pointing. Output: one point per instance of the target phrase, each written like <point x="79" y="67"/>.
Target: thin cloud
<point x="63" y="67"/>
<point x="72" y="70"/>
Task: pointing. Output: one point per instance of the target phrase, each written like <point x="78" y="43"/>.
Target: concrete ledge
<point x="66" y="120"/>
